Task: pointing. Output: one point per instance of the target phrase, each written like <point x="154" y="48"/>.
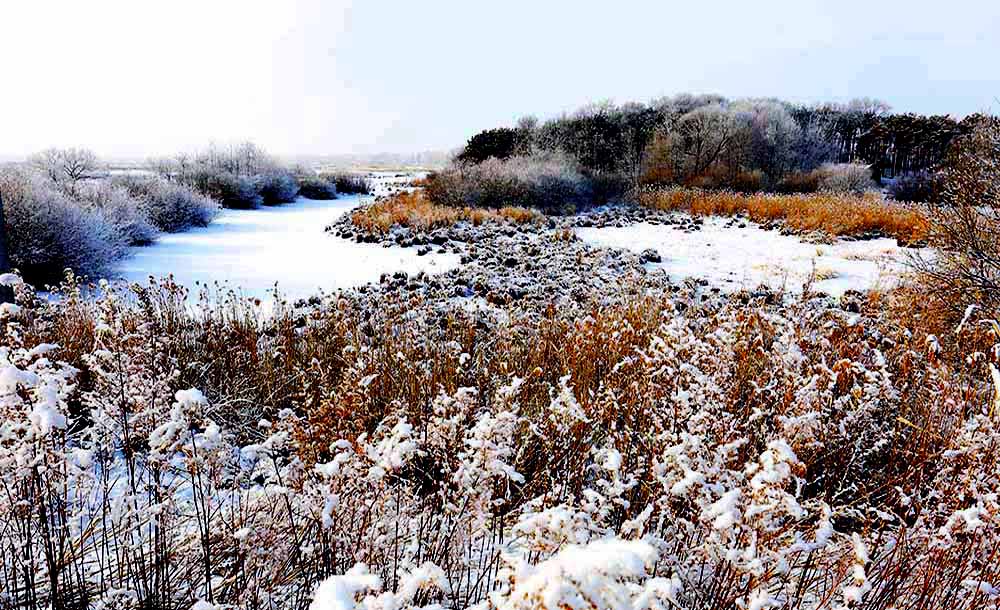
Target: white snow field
<point x="251" y="250"/>
<point x="734" y="258"/>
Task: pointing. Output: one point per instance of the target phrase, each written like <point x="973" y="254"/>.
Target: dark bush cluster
<point x="314" y="187"/>
<point x="500" y="143"/>
<point x="278" y="186"/>
<point x="348" y="183"/>
<point x="918" y="187"/>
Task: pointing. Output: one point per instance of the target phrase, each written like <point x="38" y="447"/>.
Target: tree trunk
<point x="6" y="292"/>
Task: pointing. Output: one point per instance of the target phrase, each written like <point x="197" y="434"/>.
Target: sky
<point x="138" y="78"/>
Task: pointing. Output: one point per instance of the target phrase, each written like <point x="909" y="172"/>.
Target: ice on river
<point x="252" y="249"/>
<point x="734" y="258"/>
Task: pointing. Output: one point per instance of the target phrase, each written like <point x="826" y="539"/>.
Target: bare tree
<point x="704" y="134"/>
<point x="77" y="163"/>
<point x="48" y="162"/>
<point x="966" y="267"/>
<point x="68" y="164"/>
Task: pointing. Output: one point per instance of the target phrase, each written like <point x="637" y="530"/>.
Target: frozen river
<point x="253" y="250"/>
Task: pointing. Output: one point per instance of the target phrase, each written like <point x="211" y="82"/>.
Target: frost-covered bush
<point x="171" y="206"/>
<point x="278" y="186"/>
<point x="846" y="178"/>
<point x="550" y="182"/>
<point x="49" y="232"/>
<point x="230" y="190"/>
<point x="350" y="183"/>
<point x="127" y="213"/>
<point x="315" y="187"/>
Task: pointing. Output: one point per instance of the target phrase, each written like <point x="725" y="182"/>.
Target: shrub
<point x="171" y="206"/>
<point x="920" y="187"/>
<point x="499" y="143"/>
<point x="350" y="183"/>
<point x="799" y="182"/>
<point x="607" y="187"/>
<point x="124" y="211"/>
<point x="846" y="178"/>
<point x="552" y="183"/>
<point x="314" y="187"/>
<point x="965" y="269"/>
<point x="231" y="190"/>
<point x="747" y="181"/>
<point x="48" y="232"/>
<point x="278" y="186"/>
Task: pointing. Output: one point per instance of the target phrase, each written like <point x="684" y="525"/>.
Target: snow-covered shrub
<point x="49" y="232"/>
<point x="550" y="182"/>
<point x="171" y="206"/>
<point x="229" y="189"/>
<point x="121" y="208"/>
<point x="315" y="187"/>
<point x="350" y="183"/>
<point x="234" y="191"/>
<point x="278" y="186"/>
<point x="846" y="178"/>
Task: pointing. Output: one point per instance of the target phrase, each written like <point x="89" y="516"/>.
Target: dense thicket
<point x="662" y="452"/>
<point x="748" y="145"/>
<point x="242" y="176"/>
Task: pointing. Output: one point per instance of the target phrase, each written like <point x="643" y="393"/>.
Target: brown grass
<point x="832" y="213"/>
<point x="643" y="373"/>
<point x="414" y="210"/>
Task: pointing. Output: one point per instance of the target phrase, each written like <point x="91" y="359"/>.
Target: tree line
<point x="712" y="141"/>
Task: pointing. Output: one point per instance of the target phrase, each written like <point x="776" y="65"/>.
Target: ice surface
<point x="733" y="258"/>
<point x="253" y="249"/>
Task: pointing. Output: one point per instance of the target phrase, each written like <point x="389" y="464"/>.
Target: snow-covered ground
<point x="253" y="249"/>
<point x="733" y="258"/>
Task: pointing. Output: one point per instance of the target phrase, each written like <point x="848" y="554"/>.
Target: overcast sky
<point x="136" y="78"/>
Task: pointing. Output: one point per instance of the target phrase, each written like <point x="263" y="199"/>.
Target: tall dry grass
<point x="833" y="213"/>
<point x="790" y="450"/>
<point x="414" y="210"/>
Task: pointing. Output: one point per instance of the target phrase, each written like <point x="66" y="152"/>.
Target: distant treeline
<point x="711" y="141"/>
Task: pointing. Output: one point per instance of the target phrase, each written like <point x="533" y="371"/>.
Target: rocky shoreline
<point x="528" y="266"/>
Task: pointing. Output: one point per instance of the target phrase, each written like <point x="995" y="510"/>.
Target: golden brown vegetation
<point x="444" y="438"/>
<point x="835" y="214"/>
<point x="414" y="210"/>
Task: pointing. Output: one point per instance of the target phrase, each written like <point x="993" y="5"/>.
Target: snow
<point x="734" y="258"/>
<point x="251" y="250"/>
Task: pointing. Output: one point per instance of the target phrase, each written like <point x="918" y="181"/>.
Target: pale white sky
<point x="138" y="78"/>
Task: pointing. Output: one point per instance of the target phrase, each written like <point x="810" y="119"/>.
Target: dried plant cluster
<point x="414" y="210"/>
<point x="833" y="213"/>
<point x="158" y="451"/>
